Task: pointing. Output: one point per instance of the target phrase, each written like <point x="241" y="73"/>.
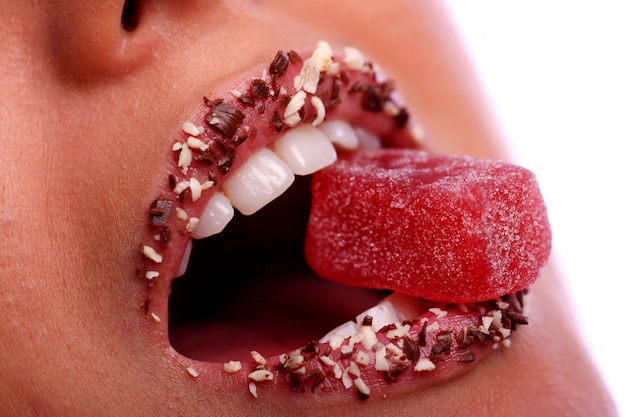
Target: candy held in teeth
<point x="446" y="228"/>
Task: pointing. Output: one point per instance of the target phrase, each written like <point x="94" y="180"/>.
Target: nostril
<point x="129" y="18"/>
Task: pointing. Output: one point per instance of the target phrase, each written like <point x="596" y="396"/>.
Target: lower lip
<point x="442" y="343"/>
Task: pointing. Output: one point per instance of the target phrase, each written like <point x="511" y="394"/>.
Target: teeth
<point x="258" y="181"/>
<point x="215" y="217"/>
<point x="267" y="174"/>
<point x="341" y="134"/>
<point x="182" y="268"/>
<point x="367" y="140"/>
<point x="383" y="313"/>
<point x="305" y="149"/>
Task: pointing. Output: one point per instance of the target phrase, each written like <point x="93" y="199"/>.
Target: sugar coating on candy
<point x="442" y="227"/>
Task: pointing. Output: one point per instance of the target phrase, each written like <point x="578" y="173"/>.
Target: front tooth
<point x="215" y="217"/>
<point x="262" y="178"/>
<point x="383" y="313"/>
<point x="305" y="149"/>
<point x="341" y="134"/>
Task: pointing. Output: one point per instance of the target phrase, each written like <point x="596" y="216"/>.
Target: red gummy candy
<point x="445" y="228"/>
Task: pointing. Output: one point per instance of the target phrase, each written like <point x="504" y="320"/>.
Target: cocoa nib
<point x="225" y="118"/>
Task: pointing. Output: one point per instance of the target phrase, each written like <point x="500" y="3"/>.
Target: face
<point x="99" y="200"/>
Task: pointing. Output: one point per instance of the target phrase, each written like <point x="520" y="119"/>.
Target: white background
<point x="555" y="72"/>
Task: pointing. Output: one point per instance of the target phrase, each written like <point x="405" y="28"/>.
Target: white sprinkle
<point x="327" y="361"/>
<point x="487" y="320"/>
<point x="282" y="91"/>
<point x="282" y="358"/>
<point x="309" y="77"/>
<point x="252" y="388"/>
<point x="196" y="189"/>
<point x="150" y="253"/>
<point x="155" y="317"/>
<point x="181" y="214"/>
<point x="334" y="69"/>
<point x="353" y="58"/>
<point x="390" y="108"/>
<point x="353" y="369"/>
<point x="157" y="238"/>
<point x="347" y="350"/>
<point x="195" y="143"/>
<point x="258" y="358"/>
<point x="497" y="319"/>
<point x="346" y="380"/>
<point x="323" y="55"/>
<point x="381" y="359"/>
<point x="424" y="364"/>
<point x="181" y="186"/>
<point x="432" y="327"/>
<point x="337" y="372"/>
<point x="504" y="332"/>
<point x="193" y="223"/>
<point x="399" y="332"/>
<point x="207" y="184"/>
<point x="292" y="117"/>
<point x="184" y="158"/>
<point x="261" y="375"/>
<point x="394" y="349"/>
<point x="192" y="372"/>
<point x="236" y="93"/>
<point x="362" y="358"/>
<point x="232" y="366"/>
<point x="152" y="274"/>
<point x="192" y="129"/>
<point x="319" y="107"/>
<point x="362" y="387"/>
<point x="177" y="146"/>
<point x="506" y="343"/>
<point x="368" y="336"/>
<point x="295" y="360"/>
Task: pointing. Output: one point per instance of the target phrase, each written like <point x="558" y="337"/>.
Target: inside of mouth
<point x="249" y="288"/>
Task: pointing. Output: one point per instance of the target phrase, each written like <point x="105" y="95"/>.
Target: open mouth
<point x="272" y="186"/>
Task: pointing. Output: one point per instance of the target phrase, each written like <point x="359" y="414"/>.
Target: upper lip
<point x="253" y="111"/>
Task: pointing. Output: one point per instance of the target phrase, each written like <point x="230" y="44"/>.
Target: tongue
<point x="446" y="228"/>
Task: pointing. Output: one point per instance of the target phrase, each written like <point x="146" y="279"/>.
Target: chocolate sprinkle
<point x="277" y="122"/>
<point x="160" y="211"/>
<point x="467" y="357"/>
<point x="172" y="181"/>
<point x="225" y="118"/>
<point x="367" y="320"/>
<point x="279" y="64"/>
<point x="247" y="100"/>
<point x="259" y="89"/>
<point x="218" y="154"/>
<point x="411" y="349"/>
<point x="393" y="374"/>
<point x="294" y="58"/>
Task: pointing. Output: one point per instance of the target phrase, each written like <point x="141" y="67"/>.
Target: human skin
<point x="89" y="114"/>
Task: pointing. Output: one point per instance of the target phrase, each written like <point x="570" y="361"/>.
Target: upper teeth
<point x="268" y="173"/>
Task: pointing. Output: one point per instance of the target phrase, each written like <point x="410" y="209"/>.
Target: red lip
<point x="440" y="342"/>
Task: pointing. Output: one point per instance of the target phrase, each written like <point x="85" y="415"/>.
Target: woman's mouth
<point x="232" y="221"/>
